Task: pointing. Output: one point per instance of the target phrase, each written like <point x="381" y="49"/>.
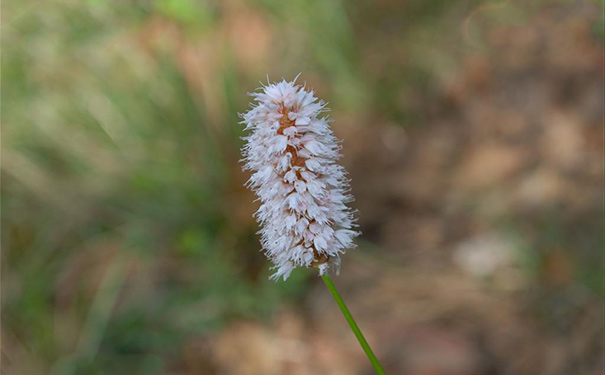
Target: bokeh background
<point x="473" y="134"/>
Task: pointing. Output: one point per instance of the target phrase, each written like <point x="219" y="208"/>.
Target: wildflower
<point x="293" y="154"/>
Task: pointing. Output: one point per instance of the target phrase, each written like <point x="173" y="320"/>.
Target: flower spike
<point x="304" y="192"/>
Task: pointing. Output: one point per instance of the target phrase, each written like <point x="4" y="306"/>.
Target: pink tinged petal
<point x="283" y="270"/>
<point x="279" y="243"/>
<point x="292" y="201"/>
<point x="285" y="189"/>
<point x="284" y="162"/>
<point x="263" y="174"/>
<point x="301" y="226"/>
<point x="288" y="102"/>
<point x="332" y="180"/>
<point x="290" y="222"/>
<point x="302" y="121"/>
<point x="309" y="236"/>
<point x="345" y="237"/>
<point x="320" y="243"/>
<point x="313" y="211"/>
<point x="323" y="269"/>
<point x="313" y="147"/>
<point x="308" y="257"/>
<point x="314" y="228"/>
<point x="313" y="165"/>
<point x="290" y="131"/>
<point x="316" y="189"/>
<point x="304" y="153"/>
<point x="290" y="176"/>
<point x="281" y="142"/>
<point x="308" y="99"/>
<point x="307" y="176"/>
<point x="300" y="186"/>
<point x="327" y="232"/>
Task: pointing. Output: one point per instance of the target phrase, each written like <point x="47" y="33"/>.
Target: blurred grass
<point x="117" y="194"/>
<point x="126" y="228"/>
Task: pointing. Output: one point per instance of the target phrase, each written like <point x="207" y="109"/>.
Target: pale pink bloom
<point x="293" y="155"/>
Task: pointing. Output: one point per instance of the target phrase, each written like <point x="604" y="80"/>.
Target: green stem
<point x="345" y="311"/>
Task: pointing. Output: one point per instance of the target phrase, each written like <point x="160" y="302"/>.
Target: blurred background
<point x="473" y="134"/>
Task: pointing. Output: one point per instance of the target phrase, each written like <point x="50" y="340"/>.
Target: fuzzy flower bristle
<point x="293" y="155"/>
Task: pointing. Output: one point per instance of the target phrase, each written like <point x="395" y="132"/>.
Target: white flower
<point x="303" y="191"/>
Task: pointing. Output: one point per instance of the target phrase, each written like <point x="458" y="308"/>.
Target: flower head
<point x="303" y="191"/>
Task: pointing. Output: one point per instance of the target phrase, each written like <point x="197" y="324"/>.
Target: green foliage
<point x="116" y="215"/>
<point x="196" y="15"/>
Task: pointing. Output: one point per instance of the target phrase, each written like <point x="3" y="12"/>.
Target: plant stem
<point x="347" y="314"/>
